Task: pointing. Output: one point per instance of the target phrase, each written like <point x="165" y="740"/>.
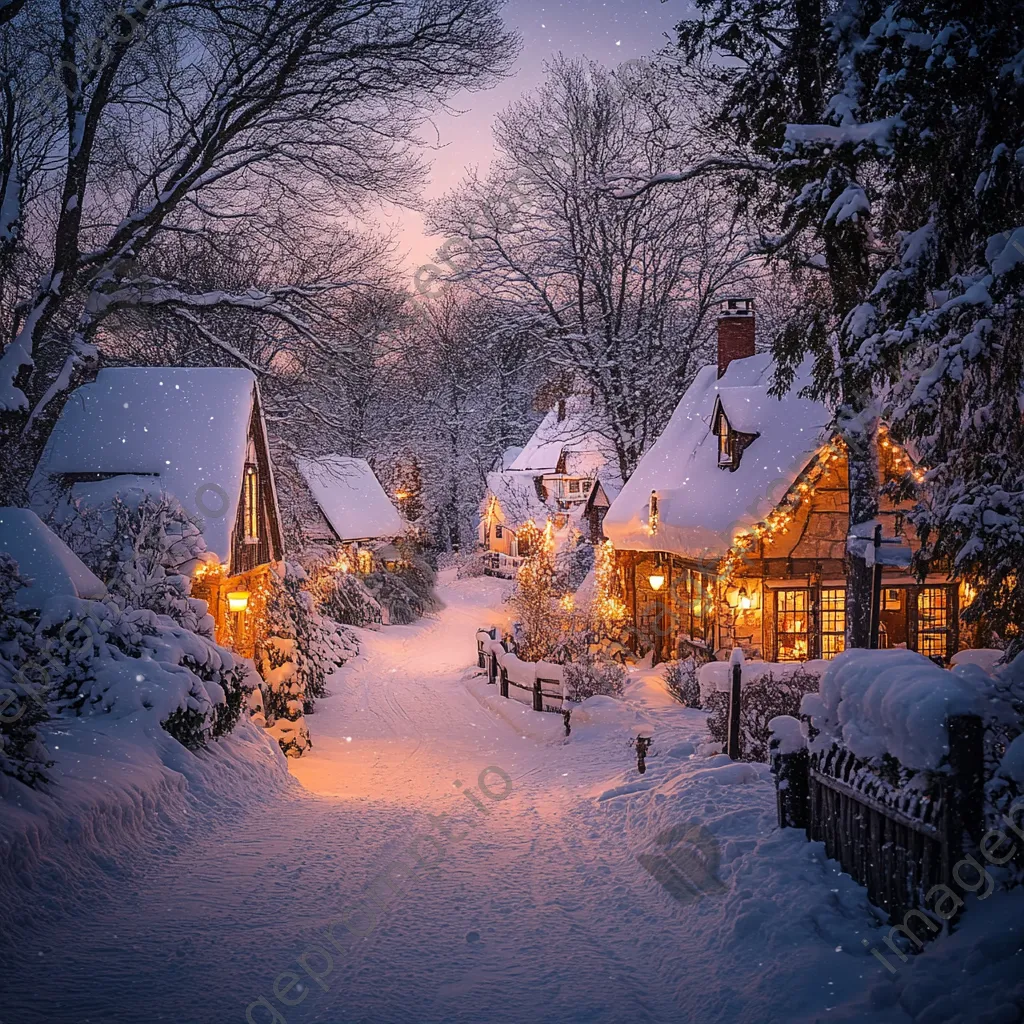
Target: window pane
<point x="932" y="621"/>
<point x="791" y="624"/>
<point x="833" y="622"/>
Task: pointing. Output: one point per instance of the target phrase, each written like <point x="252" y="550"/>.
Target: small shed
<point x="351" y="507"/>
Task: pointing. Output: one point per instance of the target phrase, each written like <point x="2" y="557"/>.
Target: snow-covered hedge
<point x="893" y="703"/>
<point x="75" y="657"/>
<point x="140" y="545"/>
<point x="343" y="596"/>
<point x="767" y="691"/>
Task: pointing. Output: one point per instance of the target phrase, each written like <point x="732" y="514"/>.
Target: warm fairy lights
<point x="778" y="521"/>
<point x="608" y="604"/>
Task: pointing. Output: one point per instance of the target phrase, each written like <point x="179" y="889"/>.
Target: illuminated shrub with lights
<point x="593" y="675"/>
<point x="681" y="680"/>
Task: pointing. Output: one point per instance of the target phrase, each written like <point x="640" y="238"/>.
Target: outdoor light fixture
<point x="656" y="581"/>
<point x="745" y="601"/>
<point x="238" y="600"/>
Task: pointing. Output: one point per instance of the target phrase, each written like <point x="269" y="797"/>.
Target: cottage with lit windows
<point x="733" y="529"/>
<point x="193" y="433"/>
<point x="566" y="475"/>
<point x="346" y="510"/>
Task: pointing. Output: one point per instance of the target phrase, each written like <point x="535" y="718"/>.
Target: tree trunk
<point x="863" y="498"/>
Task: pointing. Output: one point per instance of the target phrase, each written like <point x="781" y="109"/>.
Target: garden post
<point x="504" y="681"/>
<point x="538" y="696"/>
<point x="732" y="747"/>
<point x="966" y="784"/>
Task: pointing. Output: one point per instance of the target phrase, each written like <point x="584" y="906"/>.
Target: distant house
<point x="349" y="506"/>
<point x="196" y="434"/>
<point x="733" y="528"/>
<point x="566" y="474"/>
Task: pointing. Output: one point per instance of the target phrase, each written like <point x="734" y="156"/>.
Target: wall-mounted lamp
<point x="657" y="581"/>
<point x="745" y="601"/>
<point x="238" y="600"/>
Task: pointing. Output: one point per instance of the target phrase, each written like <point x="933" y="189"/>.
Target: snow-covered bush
<point x="768" y="696"/>
<point x="593" y="675"/>
<point x="22" y="685"/>
<point x="681" y="680"/>
<point x="342" y="596"/>
<point x="402" y="604"/>
<point x="418" y="575"/>
<point x="468" y="566"/>
<point x="140" y="545"/>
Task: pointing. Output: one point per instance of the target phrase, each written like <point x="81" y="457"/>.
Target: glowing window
<point x="833" y="622"/>
<point x="932" y="621"/>
<point x="251" y="504"/>
<point x="791" y="624"/>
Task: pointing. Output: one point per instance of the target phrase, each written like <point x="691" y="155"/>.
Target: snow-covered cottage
<point x="350" y="509"/>
<point x="566" y="474"/>
<point x="195" y="434"/>
<point x="733" y="528"/>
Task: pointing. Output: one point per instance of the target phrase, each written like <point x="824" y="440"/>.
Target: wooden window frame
<point x="251" y="503"/>
<point x="832" y="617"/>
<point x="807" y="632"/>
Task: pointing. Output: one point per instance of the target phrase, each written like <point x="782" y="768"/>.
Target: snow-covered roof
<point x="44" y="560"/>
<point x="351" y="498"/>
<point x="577" y="434"/>
<point x="517" y="498"/>
<point x="178" y="430"/>
<point x="701" y="507"/>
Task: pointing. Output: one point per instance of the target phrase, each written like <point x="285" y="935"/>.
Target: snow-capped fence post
<point x="732" y="747"/>
<point x="482" y="636"/>
<point x="963" y="820"/>
<point x="504" y="681"/>
<point x="790" y="764"/>
<point x="538" y="696"/>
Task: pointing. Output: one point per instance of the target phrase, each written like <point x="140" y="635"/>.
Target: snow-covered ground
<point x="487" y="870"/>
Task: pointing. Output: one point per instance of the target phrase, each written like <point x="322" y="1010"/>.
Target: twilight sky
<point x="609" y="31"/>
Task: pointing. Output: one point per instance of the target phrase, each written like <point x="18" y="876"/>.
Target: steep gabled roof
<point x="351" y="498"/>
<point x="182" y="431"/>
<point x="700" y="506"/>
<point x="517" y="498"/>
<point x="577" y="436"/>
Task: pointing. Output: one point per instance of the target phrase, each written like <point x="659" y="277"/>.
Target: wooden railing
<point x="497" y="563"/>
<point x="546" y="694"/>
<point x="898" y="843"/>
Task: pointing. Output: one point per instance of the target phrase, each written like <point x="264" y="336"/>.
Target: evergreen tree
<point x="803" y="168"/>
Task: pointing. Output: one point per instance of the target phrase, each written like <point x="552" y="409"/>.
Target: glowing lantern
<point x="745" y="602"/>
<point x="657" y="581"/>
<point x="238" y="600"/>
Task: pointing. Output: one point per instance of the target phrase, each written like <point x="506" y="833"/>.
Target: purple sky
<point x="609" y="31"/>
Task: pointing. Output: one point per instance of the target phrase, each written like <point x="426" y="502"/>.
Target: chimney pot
<point x="735" y="332"/>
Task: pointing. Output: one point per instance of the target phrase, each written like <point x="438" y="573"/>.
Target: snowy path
<point x="539" y="909"/>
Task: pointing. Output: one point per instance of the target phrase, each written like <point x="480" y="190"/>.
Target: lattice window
<point x="933" y="621"/>
<point x="652" y="514"/>
<point x="792" y="624"/>
<point x="574" y="487"/>
<point x="833" y="622"/>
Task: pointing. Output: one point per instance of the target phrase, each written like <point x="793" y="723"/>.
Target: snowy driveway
<point x="527" y="904"/>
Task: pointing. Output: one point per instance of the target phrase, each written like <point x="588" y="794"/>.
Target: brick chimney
<point x="735" y="331"/>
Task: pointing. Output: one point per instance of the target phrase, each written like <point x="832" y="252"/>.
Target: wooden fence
<point x="497" y="563"/>
<point x="547" y="694"/>
<point x="896" y="842"/>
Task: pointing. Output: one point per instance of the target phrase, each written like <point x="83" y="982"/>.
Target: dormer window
<point x="731" y="442"/>
<point x="725" y="444"/>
